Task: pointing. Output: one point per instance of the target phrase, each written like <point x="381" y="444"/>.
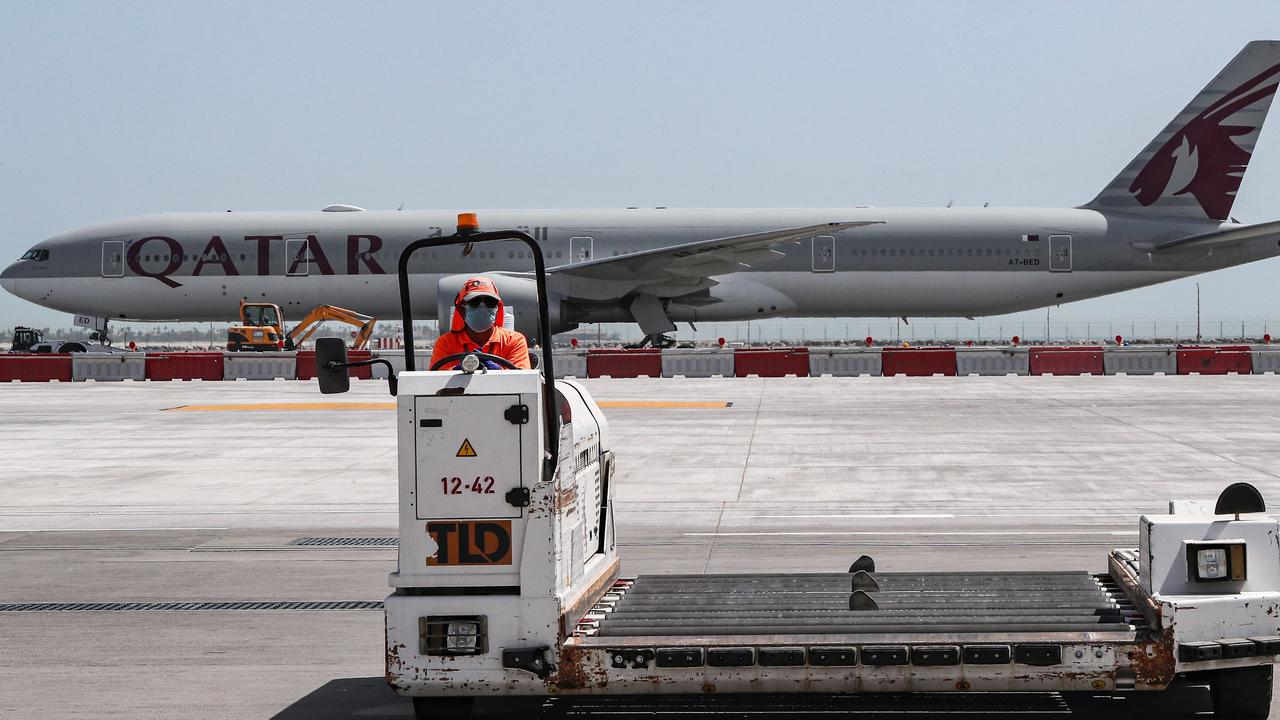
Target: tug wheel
<point x="1242" y="692"/>
<point x="442" y="708"/>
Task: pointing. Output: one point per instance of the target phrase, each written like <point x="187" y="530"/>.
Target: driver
<point x="477" y="325"/>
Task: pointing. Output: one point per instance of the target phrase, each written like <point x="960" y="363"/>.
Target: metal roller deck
<point x="961" y="603"/>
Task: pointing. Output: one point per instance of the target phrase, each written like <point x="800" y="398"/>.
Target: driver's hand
<point x="492" y="365"/>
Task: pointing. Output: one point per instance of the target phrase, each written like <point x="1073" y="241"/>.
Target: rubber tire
<point x="1242" y="692"/>
<point x="443" y="708"/>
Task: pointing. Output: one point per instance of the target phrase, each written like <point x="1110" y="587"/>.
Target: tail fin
<point x="1193" y="168"/>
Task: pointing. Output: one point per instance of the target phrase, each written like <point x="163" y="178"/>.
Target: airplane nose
<point x="9" y="279"/>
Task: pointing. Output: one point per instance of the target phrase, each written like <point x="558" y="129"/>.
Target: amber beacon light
<point x="468" y="223"/>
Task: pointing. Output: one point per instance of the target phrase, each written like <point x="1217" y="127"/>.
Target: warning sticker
<point x="466" y="450"/>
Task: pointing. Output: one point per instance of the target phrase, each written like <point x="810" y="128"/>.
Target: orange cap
<point x="468" y="222"/>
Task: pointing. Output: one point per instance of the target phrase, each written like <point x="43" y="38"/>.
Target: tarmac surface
<point x="158" y="492"/>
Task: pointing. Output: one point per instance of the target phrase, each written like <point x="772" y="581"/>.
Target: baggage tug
<point x="508" y="579"/>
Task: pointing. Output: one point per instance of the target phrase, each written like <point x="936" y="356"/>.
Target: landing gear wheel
<point x="1241" y="692"/>
<point x="443" y="708"/>
<point x="657" y="340"/>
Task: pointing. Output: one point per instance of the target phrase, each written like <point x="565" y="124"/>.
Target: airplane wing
<point x="676" y="269"/>
<point x="1218" y="239"/>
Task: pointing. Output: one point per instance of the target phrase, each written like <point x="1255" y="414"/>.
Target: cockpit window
<point x="37" y="255"/>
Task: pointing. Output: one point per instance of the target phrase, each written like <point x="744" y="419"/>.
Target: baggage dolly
<point x="508" y="579"/>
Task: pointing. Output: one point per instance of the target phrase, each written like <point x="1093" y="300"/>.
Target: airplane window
<point x="559" y="254"/>
<point x="969" y="252"/>
<point x="930" y="252"/>
<point x="913" y="252"/>
<point x="242" y="257"/>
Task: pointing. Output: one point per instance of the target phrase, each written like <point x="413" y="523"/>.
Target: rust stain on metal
<point x="576" y="671"/>
<point x="1153" y="663"/>
<point x="393" y="663"/>
<point x="567" y="499"/>
<point x="573" y="610"/>
<point x="708" y="687"/>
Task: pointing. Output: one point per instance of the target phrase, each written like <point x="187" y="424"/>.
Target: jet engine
<point x="519" y="296"/>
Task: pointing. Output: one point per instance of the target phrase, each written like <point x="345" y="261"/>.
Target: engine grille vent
<point x="376" y="542"/>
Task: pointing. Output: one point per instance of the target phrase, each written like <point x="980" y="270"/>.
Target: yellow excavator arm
<point x="309" y="324"/>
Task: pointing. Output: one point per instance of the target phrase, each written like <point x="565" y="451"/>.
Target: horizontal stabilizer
<point x="1215" y="239"/>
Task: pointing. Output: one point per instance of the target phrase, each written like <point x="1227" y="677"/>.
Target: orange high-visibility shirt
<point x="503" y="342"/>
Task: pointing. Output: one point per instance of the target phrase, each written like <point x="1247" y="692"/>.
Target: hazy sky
<point x="120" y="108"/>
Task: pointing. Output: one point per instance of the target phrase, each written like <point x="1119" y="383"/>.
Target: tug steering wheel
<point x="481" y="355"/>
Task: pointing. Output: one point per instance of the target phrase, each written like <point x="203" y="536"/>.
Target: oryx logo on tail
<point x="1194" y="166"/>
<point x="1203" y="159"/>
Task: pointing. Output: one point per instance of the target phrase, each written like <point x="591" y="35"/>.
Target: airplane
<point x="1165" y="216"/>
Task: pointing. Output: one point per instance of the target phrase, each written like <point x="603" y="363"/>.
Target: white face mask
<point x="480" y="319"/>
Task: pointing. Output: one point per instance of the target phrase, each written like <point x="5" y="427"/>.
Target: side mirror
<point x="331" y="366"/>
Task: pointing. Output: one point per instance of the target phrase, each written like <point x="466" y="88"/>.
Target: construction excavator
<point x="261" y="327"/>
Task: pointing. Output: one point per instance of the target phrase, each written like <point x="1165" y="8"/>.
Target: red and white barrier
<point x="645" y="362"/>
<point x="991" y="361"/>
<point x="693" y="363"/>
<point x="1071" y="360"/>
<point x="771" y="362"/>
<point x="260" y="366"/>
<point x="844" y="362"/>
<point x="619" y="363"/>
<point x="919" y="362"/>
<point x="24" y="367"/>
<point x="107" y="367"/>
<point x="168" y="366"/>
<point x="1221" y="360"/>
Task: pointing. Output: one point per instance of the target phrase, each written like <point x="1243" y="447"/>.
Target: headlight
<point x="1211" y="564"/>
<point x="463" y="637"/>
<point x="453" y="635"/>
<point x="1216" y="561"/>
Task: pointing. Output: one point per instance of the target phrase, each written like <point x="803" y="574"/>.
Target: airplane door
<point x="297" y="261"/>
<point x="824" y="253"/>
<point x="579" y="249"/>
<point x="1059" y="253"/>
<point x="113" y="258"/>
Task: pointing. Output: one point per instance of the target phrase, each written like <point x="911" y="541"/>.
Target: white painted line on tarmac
<point x="123" y="529"/>
<point x="882" y="516"/>
<point x="1028" y="533"/>
<point x="890" y="514"/>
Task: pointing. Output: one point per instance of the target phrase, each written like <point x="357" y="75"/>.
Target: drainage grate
<point x="388" y="542"/>
<point x="192" y="606"/>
